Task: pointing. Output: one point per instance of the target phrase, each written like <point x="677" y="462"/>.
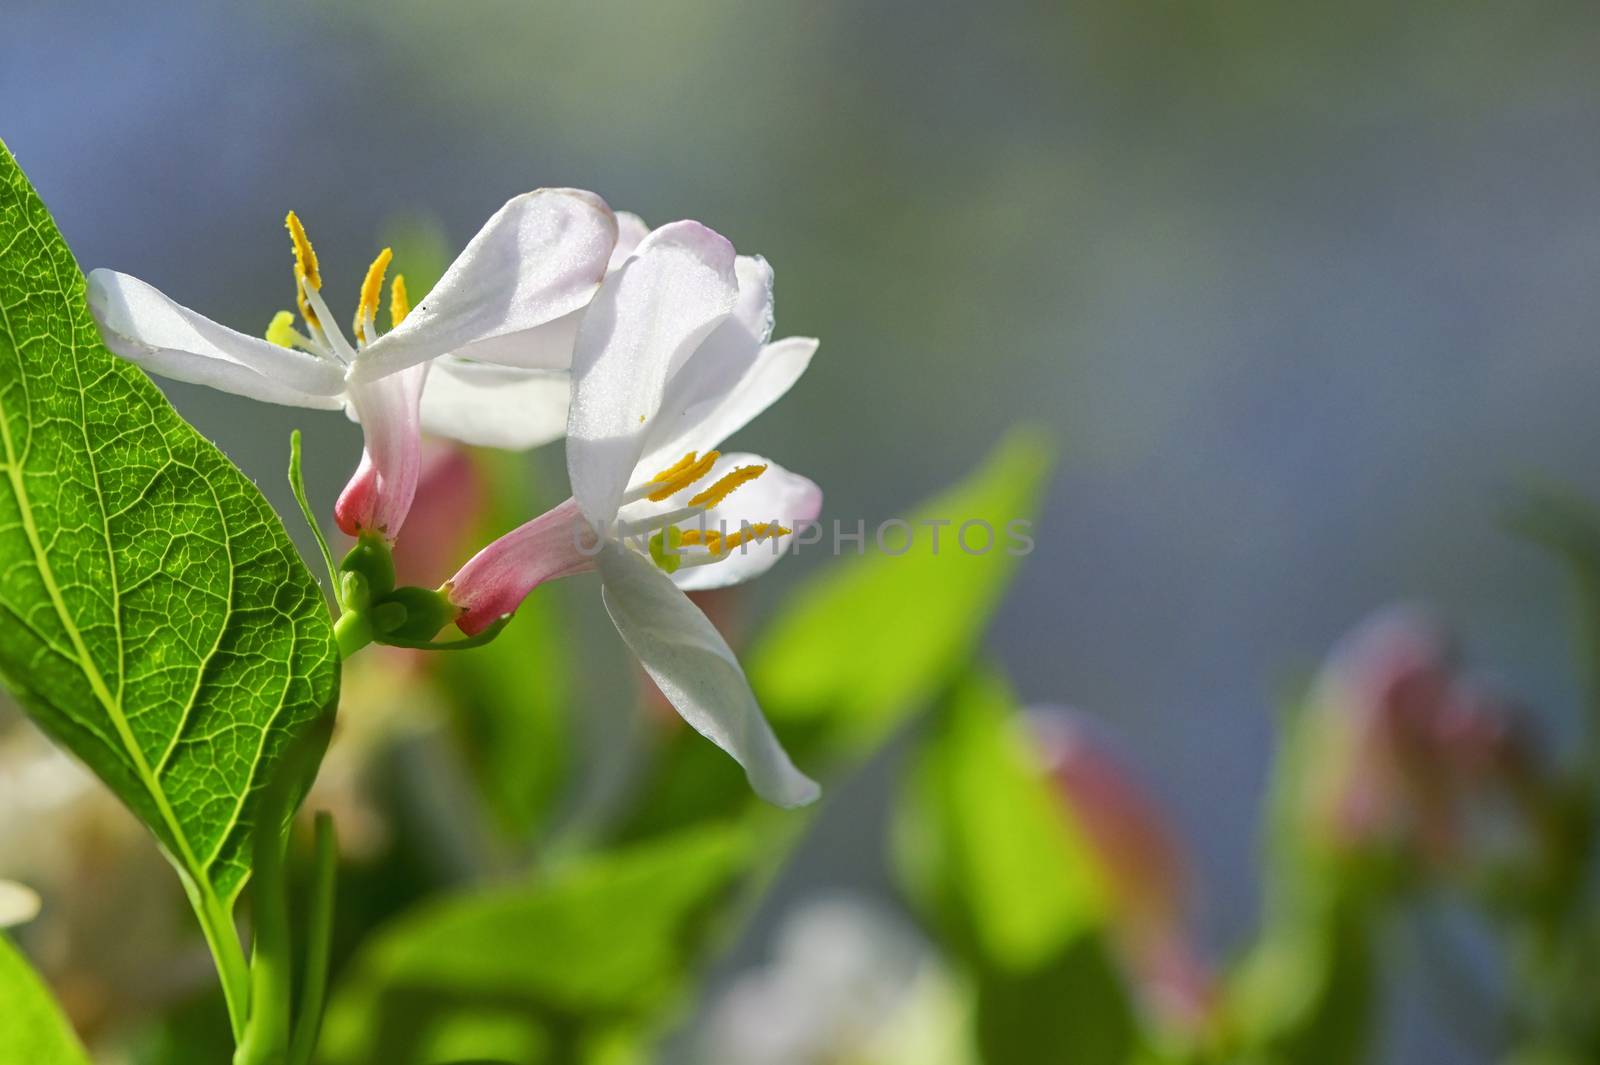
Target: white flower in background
<point x="19" y="904"/>
<point x="670" y="359"/>
<point x="519" y="286"/>
<point x="848" y="983"/>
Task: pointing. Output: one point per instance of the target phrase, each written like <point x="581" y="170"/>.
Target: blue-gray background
<point x="1303" y="292"/>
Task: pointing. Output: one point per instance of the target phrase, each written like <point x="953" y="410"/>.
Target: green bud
<point x="371" y="559"/>
<point x="426" y="612"/>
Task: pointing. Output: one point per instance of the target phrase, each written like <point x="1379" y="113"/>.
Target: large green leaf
<point x="999" y="867"/>
<point x="552" y="969"/>
<point x="157" y="620"/>
<point x="32" y="1028"/>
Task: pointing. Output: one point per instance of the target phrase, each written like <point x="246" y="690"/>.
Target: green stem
<point x="266" y="1037"/>
<point x="319" y="943"/>
<point x="226" y="950"/>
<point x="353" y="631"/>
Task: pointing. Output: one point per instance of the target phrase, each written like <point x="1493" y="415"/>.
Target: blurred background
<point x="1301" y="293"/>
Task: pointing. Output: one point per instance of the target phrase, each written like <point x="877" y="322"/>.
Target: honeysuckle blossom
<point x="670" y="359"/>
<point x="517" y="288"/>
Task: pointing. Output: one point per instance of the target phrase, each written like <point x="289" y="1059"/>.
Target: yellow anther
<point x="371" y="290"/>
<point x="701" y="537"/>
<point x="757" y="533"/>
<point x="280" y="330"/>
<point x="305" y="256"/>
<point x="725" y="485"/>
<point x="684" y="477"/>
<point x="676" y="468"/>
<point x="399" y="301"/>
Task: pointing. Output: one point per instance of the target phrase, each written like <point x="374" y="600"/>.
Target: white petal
<point x="144" y="326"/>
<point x="645" y="321"/>
<point x="379" y="496"/>
<point x="631" y="229"/>
<point x="694" y="668"/>
<point x="537" y="260"/>
<point x="777" y="495"/>
<point x="495" y="406"/>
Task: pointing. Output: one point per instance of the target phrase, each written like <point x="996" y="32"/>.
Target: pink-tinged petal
<point x="379" y="495"/>
<point x="497" y="579"/>
<point x="646" y="320"/>
<point x="450" y="500"/>
<point x="538" y="260"/>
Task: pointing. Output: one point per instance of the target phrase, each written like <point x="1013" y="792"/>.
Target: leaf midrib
<point x="97" y="684"/>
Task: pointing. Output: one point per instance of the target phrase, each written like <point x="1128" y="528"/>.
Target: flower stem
<point x="353" y="631"/>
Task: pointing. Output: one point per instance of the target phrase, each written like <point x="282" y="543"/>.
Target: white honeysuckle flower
<point x="516" y="398"/>
<point x="670" y="359"/>
<point x="521" y="282"/>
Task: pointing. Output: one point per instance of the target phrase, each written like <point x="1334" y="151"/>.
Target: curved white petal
<point x="495" y="406"/>
<point x="645" y="321"/>
<point x="537" y="260"/>
<point x="631" y="229"/>
<point x="145" y="326"/>
<point x="697" y="672"/>
<point x="379" y="496"/>
<point x="776" y="496"/>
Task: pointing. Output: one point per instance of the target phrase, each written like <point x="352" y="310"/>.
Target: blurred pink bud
<point x="1145" y="869"/>
<point x="1403" y="741"/>
<point x="449" y="504"/>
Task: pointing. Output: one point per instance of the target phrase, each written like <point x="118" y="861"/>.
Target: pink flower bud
<point x="498" y="578"/>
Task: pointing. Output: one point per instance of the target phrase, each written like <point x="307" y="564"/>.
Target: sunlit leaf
<point x="157" y="620"/>
<point x="32" y="1028"/>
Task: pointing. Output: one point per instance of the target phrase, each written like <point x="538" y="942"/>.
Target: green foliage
<point x="560" y="967"/>
<point x="158" y="622"/>
<point x="999" y="868"/>
<point x="32" y="1028"/>
<point x="511" y="700"/>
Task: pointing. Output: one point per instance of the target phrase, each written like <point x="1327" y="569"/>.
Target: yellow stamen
<point x="399" y="301"/>
<point x="757" y="532"/>
<point x="725" y="486"/>
<point x="684" y="477"/>
<point x="280" y="330"/>
<point x="704" y="537"/>
<point x="300" y="301"/>
<point x="371" y="290"/>
<point x="305" y="256"/>
<point x="676" y="468"/>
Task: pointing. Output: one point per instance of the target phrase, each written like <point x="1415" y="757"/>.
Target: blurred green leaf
<point x="553" y="969"/>
<point x="33" y="1030"/>
<point x="877" y="635"/>
<point x="995" y="861"/>
<point x="509" y="700"/>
